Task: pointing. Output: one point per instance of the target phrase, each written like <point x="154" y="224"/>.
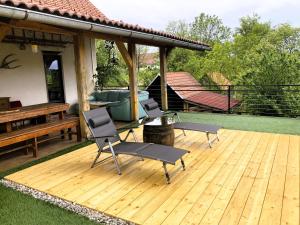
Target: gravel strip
<point x="73" y="207"/>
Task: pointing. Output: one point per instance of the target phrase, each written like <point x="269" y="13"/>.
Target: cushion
<point x="113" y="96"/>
<point x="99" y="121"/>
<point x="151" y="105"/>
<point x="123" y="95"/>
<point x="100" y="96"/>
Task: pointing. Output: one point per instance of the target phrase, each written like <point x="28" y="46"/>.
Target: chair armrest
<point x="110" y="136"/>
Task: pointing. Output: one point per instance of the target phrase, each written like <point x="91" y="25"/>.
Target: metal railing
<point x="268" y="100"/>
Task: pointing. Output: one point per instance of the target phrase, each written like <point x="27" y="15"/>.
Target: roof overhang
<point x="98" y="30"/>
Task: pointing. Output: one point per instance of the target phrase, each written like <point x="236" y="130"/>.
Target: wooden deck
<point x="247" y="178"/>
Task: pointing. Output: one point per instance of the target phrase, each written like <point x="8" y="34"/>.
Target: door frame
<point x="58" y="54"/>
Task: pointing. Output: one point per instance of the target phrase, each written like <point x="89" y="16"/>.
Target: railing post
<point x="228" y="99"/>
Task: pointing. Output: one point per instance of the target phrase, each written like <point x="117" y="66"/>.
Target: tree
<point x="179" y="28"/>
<point x="109" y="66"/>
<point x="209" y="29"/>
<point x="257" y="54"/>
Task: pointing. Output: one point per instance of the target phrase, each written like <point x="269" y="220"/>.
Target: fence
<point x="269" y="100"/>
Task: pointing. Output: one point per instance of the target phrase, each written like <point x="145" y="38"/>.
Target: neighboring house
<point x="184" y="89"/>
<point x="148" y="60"/>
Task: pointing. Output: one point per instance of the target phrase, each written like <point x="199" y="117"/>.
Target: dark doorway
<point x="54" y="77"/>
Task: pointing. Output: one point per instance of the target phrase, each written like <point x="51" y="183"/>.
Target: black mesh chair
<point x="105" y="134"/>
<point x="153" y="111"/>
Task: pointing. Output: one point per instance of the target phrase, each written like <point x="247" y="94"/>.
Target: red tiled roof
<point x="84" y="10"/>
<point x="189" y="89"/>
<point x="183" y="83"/>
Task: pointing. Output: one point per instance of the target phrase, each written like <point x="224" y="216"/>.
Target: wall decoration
<point x="7" y="62"/>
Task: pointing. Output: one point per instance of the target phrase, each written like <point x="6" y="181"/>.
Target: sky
<point x="157" y="13"/>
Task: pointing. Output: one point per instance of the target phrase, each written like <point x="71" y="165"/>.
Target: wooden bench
<point x="31" y="134"/>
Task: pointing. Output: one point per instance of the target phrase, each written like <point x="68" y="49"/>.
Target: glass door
<point x="54" y="77"/>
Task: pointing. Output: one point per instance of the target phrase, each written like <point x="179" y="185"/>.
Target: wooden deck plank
<point x="208" y="169"/>
<point x="253" y="206"/>
<point x="271" y="210"/>
<point x="137" y="205"/>
<point x="290" y="208"/>
<point x="233" y="210"/>
<point x="203" y="187"/>
<point x="246" y="178"/>
<point x="205" y="200"/>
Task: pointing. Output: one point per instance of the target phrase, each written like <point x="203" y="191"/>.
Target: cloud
<point x="157" y="13"/>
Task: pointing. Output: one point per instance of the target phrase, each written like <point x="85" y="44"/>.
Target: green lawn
<point x="18" y="208"/>
<point x="245" y="122"/>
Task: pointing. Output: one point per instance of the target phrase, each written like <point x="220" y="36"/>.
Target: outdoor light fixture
<point x="34" y="48"/>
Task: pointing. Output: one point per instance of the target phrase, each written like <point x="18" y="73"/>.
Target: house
<point x="47" y="51"/>
<point x="183" y="90"/>
<point x="148" y="59"/>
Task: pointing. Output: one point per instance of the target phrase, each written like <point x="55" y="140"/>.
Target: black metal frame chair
<point x="105" y="135"/>
<point x="153" y="111"/>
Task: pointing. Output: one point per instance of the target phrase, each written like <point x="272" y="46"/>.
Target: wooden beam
<point x="125" y="54"/>
<point x="116" y="38"/>
<point x="4" y="30"/>
<point x="133" y="82"/>
<point x="35" y="26"/>
<point x="163" y="79"/>
<point x="81" y="77"/>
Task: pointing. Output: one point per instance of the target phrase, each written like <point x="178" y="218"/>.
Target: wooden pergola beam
<point x="116" y="38"/>
<point x="4" y="30"/>
<point x="133" y="82"/>
<point x="81" y="77"/>
<point x="125" y="54"/>
<point x="35" y="26"/>
<point x="163" y="79"/>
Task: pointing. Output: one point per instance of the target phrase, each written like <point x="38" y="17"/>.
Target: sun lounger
<point x="153" y="111"/>
<point x="105" y="134"/>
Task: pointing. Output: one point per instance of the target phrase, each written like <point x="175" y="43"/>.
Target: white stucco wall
<point x="27" y="83"/>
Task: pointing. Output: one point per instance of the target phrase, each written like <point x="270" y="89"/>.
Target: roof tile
<point x="83" y="10"/>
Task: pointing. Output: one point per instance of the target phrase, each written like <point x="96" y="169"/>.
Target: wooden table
<point x="28" y="112"/>
<point x="159" y="131"/>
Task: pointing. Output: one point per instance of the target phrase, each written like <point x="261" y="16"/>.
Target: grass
<point x="18" y="208"/>
<point x="246" y="122"/>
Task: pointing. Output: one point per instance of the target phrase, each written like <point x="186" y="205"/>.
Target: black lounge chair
<point x="105" y="134"/>
<point x="153" y="111"/>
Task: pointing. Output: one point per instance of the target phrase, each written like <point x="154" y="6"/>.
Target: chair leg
<point x="182" y="164"/>
<point x="97" y="157"/>
<point x="134" y="136"/>
<point x="209" y="142"/>
<point x="184" y="132"/>
<point x="115" y="158"/>
<point x="166" y="173"/>
<point x="218" y="137"/>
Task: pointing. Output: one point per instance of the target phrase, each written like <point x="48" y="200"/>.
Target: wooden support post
<point x="81" y="77"/>
<point x="4" y="29"/>
<point x="124" y="52"/>
<point x="163" y="79"/>
<point x="133" y="82"/>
